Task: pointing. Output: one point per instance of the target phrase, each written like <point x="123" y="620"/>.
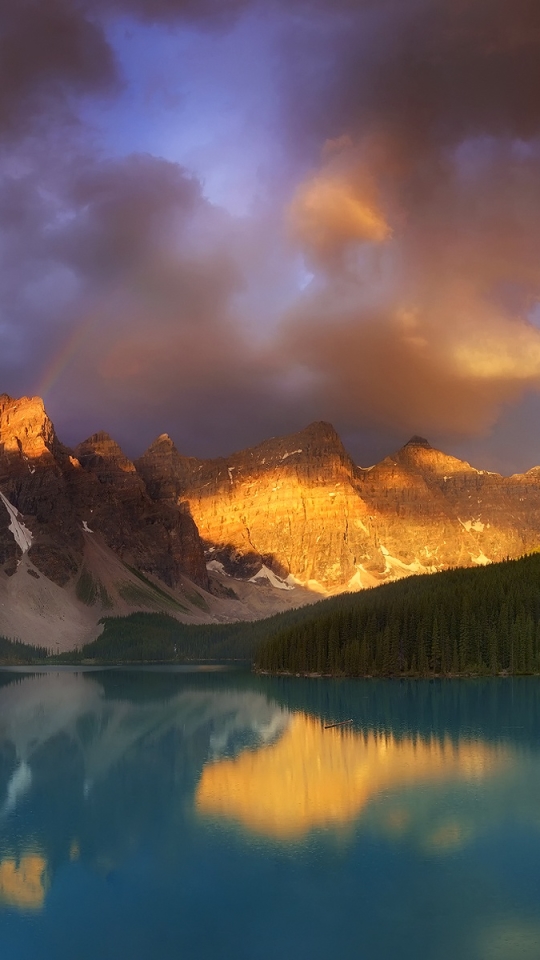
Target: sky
<point x="224" y="219"/>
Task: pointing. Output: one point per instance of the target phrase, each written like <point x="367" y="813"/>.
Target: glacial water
<point x="201" y="814"/>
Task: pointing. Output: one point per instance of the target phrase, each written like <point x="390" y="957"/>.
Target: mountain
<point x="298" y="508"/>
<point x="284" y="505"/>
<point x="87" y="532"/>
<point x="62" y="492"/>
<point x="80" y="538"/>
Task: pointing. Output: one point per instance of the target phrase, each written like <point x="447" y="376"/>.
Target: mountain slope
<point x="60" y="492"/>
<point x="456" y="622"/>
<point x="80" y="538"/>
<point x="87" y="532"/>
<point x="299" y="507"/>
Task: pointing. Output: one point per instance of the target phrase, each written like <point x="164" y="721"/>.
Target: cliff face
<point x="60" y="494"/>
<point x="299" y="507"/>
<point x="437" y="511"/>
<point x="157" y="537"/>
<point x="287" y="504"/>
<point x="34" y="472"/>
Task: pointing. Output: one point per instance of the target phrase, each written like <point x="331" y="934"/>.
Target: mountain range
<point x="87" y="533"/>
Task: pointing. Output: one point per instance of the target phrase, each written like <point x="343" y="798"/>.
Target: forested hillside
<point x="483" y="620"/>
<point x="13" y="651"/>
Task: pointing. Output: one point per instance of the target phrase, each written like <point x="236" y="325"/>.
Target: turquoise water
<point x="148" y="814"/>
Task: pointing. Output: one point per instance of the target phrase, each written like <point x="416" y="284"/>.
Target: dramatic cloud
<point x="49" y="53"/>
<point x="337" y="208"/>
<point x="385" y="275"/>
<point x="435" y="330"/>
<point x="217" y="12"/>
<point x="423" y="309"/>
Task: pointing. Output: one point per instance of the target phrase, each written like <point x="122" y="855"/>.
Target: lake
<point x="209" y="813"/>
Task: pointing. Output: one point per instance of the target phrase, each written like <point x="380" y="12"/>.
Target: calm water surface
<point x="149" y="814"/>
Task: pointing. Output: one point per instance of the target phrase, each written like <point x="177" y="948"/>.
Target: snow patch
<point x="230" y="471"/>
<point x="86" y="528"/>
<point x="481" y="560"/>
<point x="291" y="454"/>
<point x="361" y="526"/>
<point x="393" y="564"/>
<point x="362" y="580"/>
<point x="21" y="534"/>
<point x="267" y="574"/>
<point x="31" y="469"/>
<point x="475" y="525"/>
<point x="216" y="567"/>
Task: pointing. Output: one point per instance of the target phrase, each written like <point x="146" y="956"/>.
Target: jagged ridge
<point x="293" y="511"/>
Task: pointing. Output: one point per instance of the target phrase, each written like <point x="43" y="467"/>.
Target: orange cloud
<point x="328" y="214"/>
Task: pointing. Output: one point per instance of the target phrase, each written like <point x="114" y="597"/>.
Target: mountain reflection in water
<point x="148" y="813"/>
<point x="312" y="777"/>
<point x="23" y="883"/>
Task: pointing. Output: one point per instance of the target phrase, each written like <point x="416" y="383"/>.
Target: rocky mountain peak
<point x="164" y="470"/>
<point x="26" y="434"/>
<point x="100" y="447"/>
<point x="319" y="435"/>
<point x="417" y="441"/>
<point x="315" y="450"/>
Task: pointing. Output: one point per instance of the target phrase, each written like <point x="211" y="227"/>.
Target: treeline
<point x="13" y="651"/>
<point x="467" y="621"/>
<point x="160" y="637"/>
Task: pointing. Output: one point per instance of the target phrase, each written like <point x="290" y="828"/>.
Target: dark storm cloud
<point x="419" y="220"/>
<point x="428" y="326"/>
<point x="153" y="271"/>
<point x="413" y="132"/>
<point x="52" y="51"/>
<point x="49" y="52"/>
<point x="215" y="12"/>
<point x="428" y="71"/>
<point x="123" y="212"/>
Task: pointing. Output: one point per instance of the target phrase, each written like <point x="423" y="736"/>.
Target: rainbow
<point x="62" y="358"/>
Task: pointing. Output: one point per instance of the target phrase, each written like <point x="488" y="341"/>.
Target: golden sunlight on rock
<point x="23" y="883"/>
<point x="314" y="777"/>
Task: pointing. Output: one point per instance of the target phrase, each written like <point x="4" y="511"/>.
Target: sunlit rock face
<point x="314" y="777"/>
<point x="26" y="431"/>
<point x="434" y="511"/>
<point x="159" y="538"/>
<point x="292" y="512"/>
<point x="299" y="507"/>
<point x="60" y="494"/>
<point x="33" y="476"/>
<point x="290" y="504"/>
<point x="23" y="882"/>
